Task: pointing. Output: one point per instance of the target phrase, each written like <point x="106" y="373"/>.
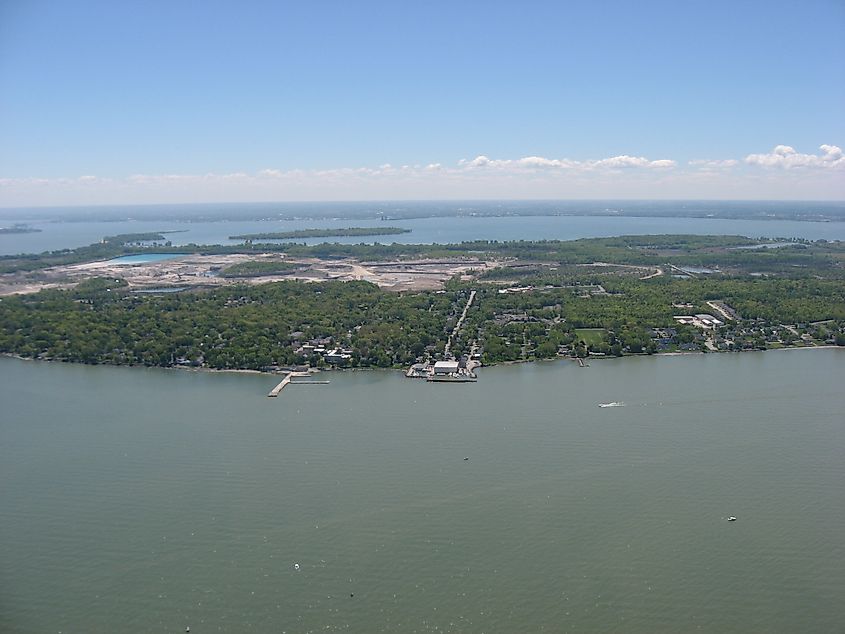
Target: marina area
<point x="449" y="369"/>
<point x="461" y="371"/>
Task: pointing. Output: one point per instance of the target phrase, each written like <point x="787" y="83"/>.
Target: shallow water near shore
<point x="144" y="258"/>
<point x="149" y="500"/>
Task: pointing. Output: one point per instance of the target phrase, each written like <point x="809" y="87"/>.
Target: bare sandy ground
<point x="203" y="271"/>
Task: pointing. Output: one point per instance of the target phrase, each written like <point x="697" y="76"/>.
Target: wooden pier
<point x="275" y="391"/>
<point x="289" y="379"/>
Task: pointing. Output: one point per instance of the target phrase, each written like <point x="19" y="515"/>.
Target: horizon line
<point x="422" y="200"/>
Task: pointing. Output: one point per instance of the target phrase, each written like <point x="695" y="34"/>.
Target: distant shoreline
<point x="798" y="210"/>
<point x="362" y="232"/>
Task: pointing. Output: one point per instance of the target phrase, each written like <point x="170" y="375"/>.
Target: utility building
<point x="445" y="367"/>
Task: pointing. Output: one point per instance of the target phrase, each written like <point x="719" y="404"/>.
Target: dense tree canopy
<point x="606" y="296"/>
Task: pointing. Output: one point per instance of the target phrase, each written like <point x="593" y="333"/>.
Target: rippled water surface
<point x="138" y="500"/>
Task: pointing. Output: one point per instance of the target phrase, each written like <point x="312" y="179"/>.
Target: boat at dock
<point x="452" y="378"/>
<point x="447" y="371"/>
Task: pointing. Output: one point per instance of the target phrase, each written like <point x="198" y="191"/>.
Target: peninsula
<point x="18" y="228"/>
<point x="233" y="307"/>
<point x="322" y="233"/>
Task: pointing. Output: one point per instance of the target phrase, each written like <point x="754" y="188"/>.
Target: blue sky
<point x="190" y="101"/>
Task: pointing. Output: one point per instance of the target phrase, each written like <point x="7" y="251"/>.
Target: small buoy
<point x="296" y="566"/>
<point x="351" y="594"/>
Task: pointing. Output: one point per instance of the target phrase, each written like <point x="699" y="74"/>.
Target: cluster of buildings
<point x="319" y="348"/>
<point x="515" y="289"/>
<point x="759" y="335"/>
<point x="450" y="370"/>
<point x="584" y="290"/>
<point x="702" y="320"/>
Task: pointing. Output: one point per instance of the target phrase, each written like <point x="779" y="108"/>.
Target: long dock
<point x="275" y="391"/>
<point x="289" y="379"/>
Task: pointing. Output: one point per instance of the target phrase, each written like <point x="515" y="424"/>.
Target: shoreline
<point x="11" y="355"/>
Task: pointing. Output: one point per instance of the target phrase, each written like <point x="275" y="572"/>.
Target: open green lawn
<point x="590" y="336"/>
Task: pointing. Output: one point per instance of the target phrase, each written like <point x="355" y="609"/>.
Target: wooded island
<point x="322" y="233"/>
<point x="534" y="300"/>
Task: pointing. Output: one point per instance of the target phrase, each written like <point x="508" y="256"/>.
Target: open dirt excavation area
<point x="185" y="272"/>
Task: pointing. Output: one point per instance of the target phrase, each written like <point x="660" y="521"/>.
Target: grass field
<point x="590" y="336"/>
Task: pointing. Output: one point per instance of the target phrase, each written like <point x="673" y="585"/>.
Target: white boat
<point x="612" y="404"/>
<point x="454" y="377"/>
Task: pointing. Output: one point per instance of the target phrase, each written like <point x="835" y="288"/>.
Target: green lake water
<point x="135" y="500"/>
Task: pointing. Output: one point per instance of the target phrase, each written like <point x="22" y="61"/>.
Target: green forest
<point x="580" y="298"/>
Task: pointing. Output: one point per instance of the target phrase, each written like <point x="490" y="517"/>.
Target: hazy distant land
<point x="322" y="233"/>
<point x="815" y="211"/>
<point x="18" y="228"/>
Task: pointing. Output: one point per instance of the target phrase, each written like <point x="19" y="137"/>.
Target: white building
<point x="338" y="355"/>
<point x="445" y="367"/>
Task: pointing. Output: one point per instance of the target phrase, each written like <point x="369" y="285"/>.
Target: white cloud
<point x="478" y="161"/>
<point x="787" y="157"/>
<point x="625" y="161"/>
<point x="714" y="163"/>
<point x="662" y="163"/>
<point x="539" y="162"/>
<point x="623" y="176"/>
<point x="31" y="181"/>
<point x="831" y="152"/>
